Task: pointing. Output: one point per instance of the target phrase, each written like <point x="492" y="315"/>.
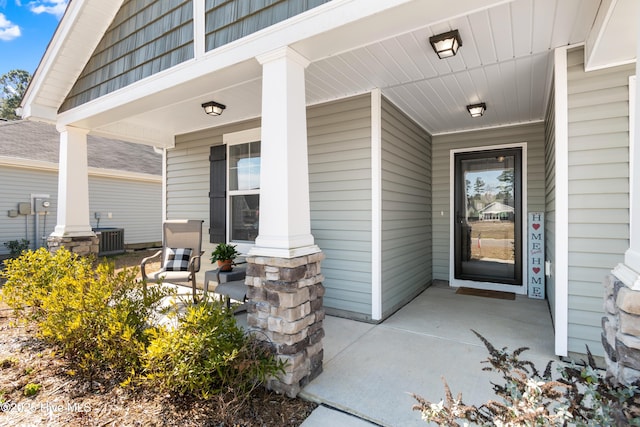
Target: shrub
<point x="16" y="247"/>
<point x="98" y="318"/>
<point x="31" y="389"/>
<point x="103" y="322"/>
<point x="582" y="396"/>
<point x="206" y="353"/>
<point x="31" y="277"/>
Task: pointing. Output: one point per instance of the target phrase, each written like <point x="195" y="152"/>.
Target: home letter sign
<point x="536" y="255"/>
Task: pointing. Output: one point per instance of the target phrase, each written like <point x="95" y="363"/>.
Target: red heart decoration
<point x="536" y="226"/>
<point x="536" y="270"/>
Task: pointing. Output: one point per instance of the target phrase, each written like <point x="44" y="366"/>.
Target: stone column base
<point x="81" y="245"/>
<point x="621" y="331"/>
<point x="285" y="308"/>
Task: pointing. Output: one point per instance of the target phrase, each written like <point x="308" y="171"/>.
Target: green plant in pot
<point x="224" y="254"/>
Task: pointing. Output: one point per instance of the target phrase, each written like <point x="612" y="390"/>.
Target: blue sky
<point x="25" y="30"/>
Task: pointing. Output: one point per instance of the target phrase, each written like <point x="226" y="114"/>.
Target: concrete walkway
<point x="370" y="371"/>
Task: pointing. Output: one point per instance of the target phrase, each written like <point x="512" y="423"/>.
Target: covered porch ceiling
<point x="505" y="61"/>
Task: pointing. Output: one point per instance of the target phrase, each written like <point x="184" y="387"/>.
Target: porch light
<point x="213" y="108"/>
<point x="446" y="44"/>
<point x="477" y="110"/>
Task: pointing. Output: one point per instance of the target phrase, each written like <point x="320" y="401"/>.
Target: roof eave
<point x="72" y="44"/>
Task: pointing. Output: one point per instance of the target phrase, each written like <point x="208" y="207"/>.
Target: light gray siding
<point x="532" y="134"/>
<point x="136" y="206"/>
<point x="598" y="191"/>
<point x="339" y="144"/>
<point x="550" y="198"/>
<point x="188" y="177"/>
<point x="145" y="37"/>
<point x="25" y="182"/>
<point x="229" y="20"/>
<point x="406" y="209"/>
<point x="340" y="192"/>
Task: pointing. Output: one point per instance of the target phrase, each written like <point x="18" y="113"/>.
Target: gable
<point x="145" y="37"/>
<point x="150" y="36"/>
<point x="229" y="20"/>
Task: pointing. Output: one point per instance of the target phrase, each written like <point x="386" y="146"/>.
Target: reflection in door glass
<point x="488" y="227"/>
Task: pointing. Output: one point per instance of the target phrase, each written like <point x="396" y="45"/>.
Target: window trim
<point x="231" y="139"/>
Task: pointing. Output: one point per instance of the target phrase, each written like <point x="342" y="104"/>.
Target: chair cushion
<point x="177" y="259"/>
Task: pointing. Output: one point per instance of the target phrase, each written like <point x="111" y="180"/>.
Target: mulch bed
<point x="64" y="399"/>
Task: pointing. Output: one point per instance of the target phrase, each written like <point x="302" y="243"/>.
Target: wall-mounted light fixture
<point x="446" y="44"/>
<point x="477" y="110"/>
<point x="213" y="108"/>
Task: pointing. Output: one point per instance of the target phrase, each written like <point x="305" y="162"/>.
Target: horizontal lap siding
<point x="533" y="134"/>
<point x="339" y="146"/>
<point x="406" y="209"/>
<point x="136" y="206"/>
<point x="598" y="191"/>
<point x="339" y="136"/>
<point x="188" y="177"/>
<point x="25" y="182"/>
<point x="550" y="194"/>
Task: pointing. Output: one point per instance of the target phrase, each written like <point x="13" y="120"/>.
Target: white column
<point x="285" y="222"/>
<point x="73" y="184"/>
<point x="629" y="272"/>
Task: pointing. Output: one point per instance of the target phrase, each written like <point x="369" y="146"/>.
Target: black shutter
<point x="218" y="194"/>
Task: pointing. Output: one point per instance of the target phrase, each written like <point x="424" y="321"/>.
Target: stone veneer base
<point x="81" y="245"/>
<point x="285" y="309"/>
<point x="621" y="331"/>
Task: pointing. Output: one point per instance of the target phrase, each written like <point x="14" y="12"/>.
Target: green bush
<point x="206" y="353"/>
<point x="31" y="277"/>
<point x="582" y="396"/>
<point x="31" y="389"/>
<point x="105" y="323"/>
<point x="16" y="247"/>
<point x="98" y="318"/>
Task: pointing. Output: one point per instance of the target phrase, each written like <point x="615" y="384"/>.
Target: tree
<point x="13" y="84"/>
<point x="506" y="179"/>
<point x="479" y="186"/>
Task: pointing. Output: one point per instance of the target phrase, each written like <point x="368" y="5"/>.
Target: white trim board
<point x="560" y="266"/>
<point x="376" y="204"/>
<point x="453" y="282"/>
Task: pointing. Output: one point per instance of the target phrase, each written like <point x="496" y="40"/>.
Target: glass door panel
<point x="488" y="216"/>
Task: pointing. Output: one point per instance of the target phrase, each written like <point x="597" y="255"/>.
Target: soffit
<point x="505" y="61"/>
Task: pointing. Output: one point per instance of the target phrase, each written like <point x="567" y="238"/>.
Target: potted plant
<point x="224" y="254"/>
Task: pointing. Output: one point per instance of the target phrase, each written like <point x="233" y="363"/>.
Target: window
<point x="244" y="191"/>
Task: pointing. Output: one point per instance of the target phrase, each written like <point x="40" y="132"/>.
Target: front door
<point x="488" y="216"/>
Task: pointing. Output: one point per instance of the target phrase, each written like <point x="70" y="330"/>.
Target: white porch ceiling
<point x="505" y="61"/>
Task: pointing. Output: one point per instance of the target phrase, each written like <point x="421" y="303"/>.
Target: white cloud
<point x="8" y="30"/>
<point x="54" y="7"/>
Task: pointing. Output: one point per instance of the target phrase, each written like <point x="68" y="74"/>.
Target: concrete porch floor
<point x="370" y="371"/>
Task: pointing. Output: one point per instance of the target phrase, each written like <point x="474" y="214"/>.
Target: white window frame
<point x="231" y="139"/>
